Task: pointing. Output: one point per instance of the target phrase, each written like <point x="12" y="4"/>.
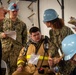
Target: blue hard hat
<point x="49" y="15"/>
<point x="69" y="46"/>
<point x="13" y="6"/>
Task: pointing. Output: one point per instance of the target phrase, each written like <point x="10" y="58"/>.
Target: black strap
<point x="45" y="44"/>
<point x="26" y="48"/>
<point x="42" y="60"/>
<point x="45" y="48"/>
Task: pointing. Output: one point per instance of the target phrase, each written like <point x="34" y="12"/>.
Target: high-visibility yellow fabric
<point x="41" y="57"/>
<point x="20" y="61"/>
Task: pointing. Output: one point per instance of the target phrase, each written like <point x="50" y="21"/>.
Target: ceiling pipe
<point x="39" y="14"/>
<point x="62" y="7"/>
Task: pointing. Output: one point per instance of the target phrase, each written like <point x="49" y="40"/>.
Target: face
<point x="48" y="24"/>
<point x="13" y="14"/>
<point x="36" y="36"/>
<point x="73" y="59"/>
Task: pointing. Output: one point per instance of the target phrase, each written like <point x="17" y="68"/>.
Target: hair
<point x="33" y="30"/>
<point x="57" y="23"/>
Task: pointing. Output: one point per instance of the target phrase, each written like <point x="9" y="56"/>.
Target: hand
<point x="51" y="62"/>
<point x="20" y="68"/>
<point x="2" y="13"/>
<point x="3" y="35"/>
<point x="55" y="60"/>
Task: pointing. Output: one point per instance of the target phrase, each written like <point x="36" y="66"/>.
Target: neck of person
<point x="13" y="18"/>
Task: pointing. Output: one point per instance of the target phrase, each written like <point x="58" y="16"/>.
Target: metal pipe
<point x="31" y="15"/>
<point x="62" y="9"/>
<point x="1" y="3"/>
<point x="30" y="5"/>
<point x="39" y="15"/>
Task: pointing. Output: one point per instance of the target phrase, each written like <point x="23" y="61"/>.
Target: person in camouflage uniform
<point x="57" y="33"/>
<point x="37" y="46"/>
<point x="69" y="50"/>
<point x="11" y="47"/>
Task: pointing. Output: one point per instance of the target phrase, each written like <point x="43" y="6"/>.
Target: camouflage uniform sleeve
<point x="21" y="59"/>
<point x="70" y="31"/>
<point x="51" y="33"/>
<point x="24" y="35"/>
<point x="53" y="50"/>
<point x="65" y="32"/>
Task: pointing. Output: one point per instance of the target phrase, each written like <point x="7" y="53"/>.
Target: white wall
<point x="70" y="6"/>
<point x="24" y="13"/>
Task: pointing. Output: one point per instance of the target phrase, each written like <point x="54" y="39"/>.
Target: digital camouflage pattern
<point x="11" y="48"/>
<point x="56" y="37"/>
